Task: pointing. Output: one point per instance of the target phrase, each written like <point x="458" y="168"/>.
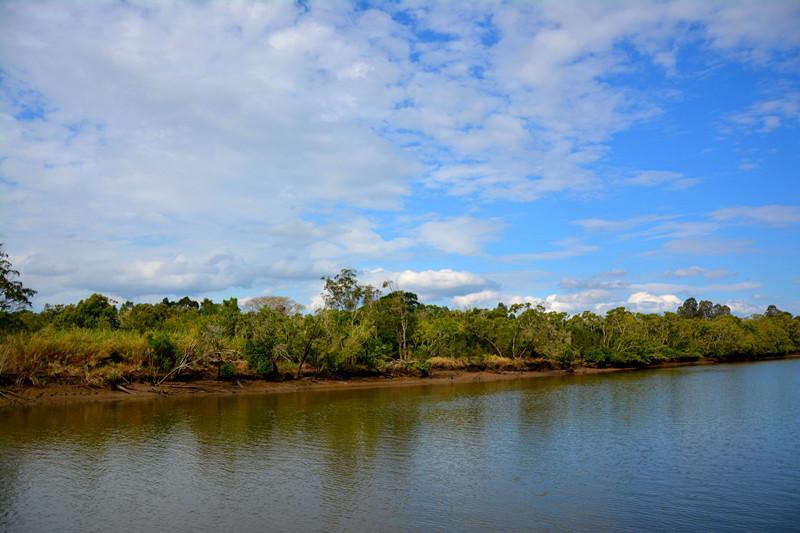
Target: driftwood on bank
<point x="13" y="398"/>
<point x="185" y="363"/>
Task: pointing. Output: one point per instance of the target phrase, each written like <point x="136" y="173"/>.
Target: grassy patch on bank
<point x="88" y="356"/>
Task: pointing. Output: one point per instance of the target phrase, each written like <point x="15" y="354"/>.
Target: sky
<point x="582" y="155"/>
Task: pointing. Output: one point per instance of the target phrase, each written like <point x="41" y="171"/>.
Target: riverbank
<point x="16" y="395"/>
<point x="58" y="393"/>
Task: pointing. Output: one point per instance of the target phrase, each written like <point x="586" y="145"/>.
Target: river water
<point x="714" y="448"/>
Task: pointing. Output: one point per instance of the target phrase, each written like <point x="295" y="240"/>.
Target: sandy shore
<point x="58" y="393"/>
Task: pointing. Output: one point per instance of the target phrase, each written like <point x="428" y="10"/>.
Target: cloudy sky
<point x="586" y="155"/>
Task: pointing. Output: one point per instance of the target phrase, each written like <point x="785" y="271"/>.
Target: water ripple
<point x="712" y="448"/>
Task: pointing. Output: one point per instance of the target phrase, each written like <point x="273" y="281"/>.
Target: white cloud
<point x="570" y="247"/>
<point x="768" y="115"/>
<point x="695" y="289"/>
<point x="196" y="147"/>
<point x="615" y="226"/>
<point x="584" y="284"/>
<point x="751" y="30"/>
<point x="432" y="285"/>
<point x="644" y="302"/>
<point x="485" y="299"/>
<point x="771" y="215"/>
<point x="177" y="275"/>
<point x="671" y="180"/>
<point x="742" y="307"/>
<point x="357" y="237"/>
<point x="709" y="246"/>
<point x="700" y="271"/>
<point x="617" y="272"/>
<point x="595" y="300"/>
<point x="463" y="235"/>
<point x="678" y="230"/>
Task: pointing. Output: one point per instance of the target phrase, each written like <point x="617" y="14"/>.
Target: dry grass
<point x="93" y="357"/>
<point x="447" y="363"/>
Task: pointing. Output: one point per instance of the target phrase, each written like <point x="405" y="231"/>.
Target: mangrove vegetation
<point x="360" y="329"/>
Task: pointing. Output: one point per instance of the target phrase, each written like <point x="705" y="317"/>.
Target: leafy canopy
<point x="13" y="296"/>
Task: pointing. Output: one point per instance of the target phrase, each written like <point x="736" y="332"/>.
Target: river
<point x="713" y="448"/>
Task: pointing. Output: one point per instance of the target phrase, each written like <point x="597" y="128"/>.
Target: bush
<point x="227" y="371"/>
<point x="424" y="367"/>
<point x="602" y="357"/>
<point x="163" y="350"/>
<point x="257" y="357"/>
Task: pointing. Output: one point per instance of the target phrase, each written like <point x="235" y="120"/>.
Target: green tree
<point x="208" y="307"/>
<point x="343" y="292"/>
<point x="144" y="317"/>
<point x="773" y="311"/>
<point x="187" y="303"/>
<point x="586" y="332"/>
<point x="281" y="304"/>
<point x="96" y="311"/>
<point x="689" y="309"/>
<point x="396" y="318"/>
<point x="268" y="341"/>
<point x="349" y="331"/>
<point x="438" y="333"/>
<point x="13" y="296"/>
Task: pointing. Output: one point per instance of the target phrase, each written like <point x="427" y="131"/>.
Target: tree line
<point x="363" y="328"/>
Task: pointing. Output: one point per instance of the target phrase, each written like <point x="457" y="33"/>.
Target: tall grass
<point x="91" y="356"/>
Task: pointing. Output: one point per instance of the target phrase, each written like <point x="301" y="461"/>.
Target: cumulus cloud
<point x="489" y="299"/>
<point x="743" y="307"/>
<point x="644" y="302"/>
<point x="177" y="276"/>
<point x="485" y="299"/>
<point x="595" y="300"/>
<point x="432" y="285"/>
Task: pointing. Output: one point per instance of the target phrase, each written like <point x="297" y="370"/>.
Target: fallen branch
<point x="8" y="395"/>
<point x="185" y="364"/>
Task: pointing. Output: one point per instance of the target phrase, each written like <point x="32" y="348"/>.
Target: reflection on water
<point x="713" y="448"/>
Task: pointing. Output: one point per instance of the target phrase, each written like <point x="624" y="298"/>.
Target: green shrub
<point x="424" y="367"/>
<point x="602" y="356"/>
<point x="163" y="350"/>
<point x="227" y="371"/>
<point x="257" y="357"/>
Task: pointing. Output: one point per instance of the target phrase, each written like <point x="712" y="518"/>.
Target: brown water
<point x="710" y="448"/>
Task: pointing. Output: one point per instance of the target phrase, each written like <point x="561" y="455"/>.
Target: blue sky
<point x="583" y="155"/>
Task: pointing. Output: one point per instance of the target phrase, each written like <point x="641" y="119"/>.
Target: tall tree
<point x="395" y="312"/>
<point x="13" y="296"/>
<point x="689" y="309"/>
<point x="280" y="304"/>
<point x="343" y="292"/>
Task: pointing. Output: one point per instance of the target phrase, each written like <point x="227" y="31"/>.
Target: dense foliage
<point x="13" y="296"/>
<point x="362" y="329"/>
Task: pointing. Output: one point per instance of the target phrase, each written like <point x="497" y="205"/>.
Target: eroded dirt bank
<point x="16" y="395"/>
